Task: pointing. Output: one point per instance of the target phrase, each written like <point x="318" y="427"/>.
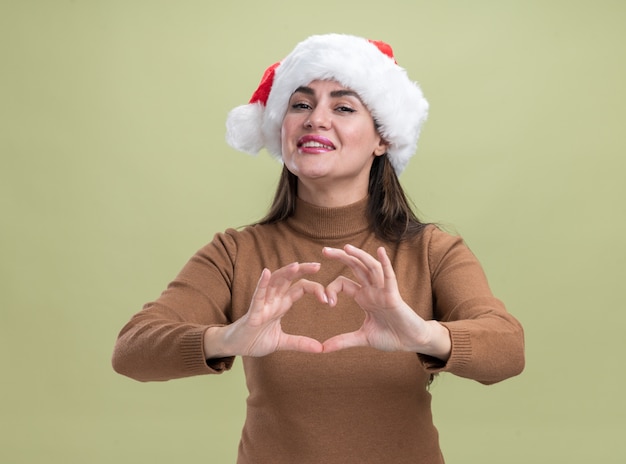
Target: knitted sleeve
<point x="165" y="339"/>
<point x="487" y="341"/>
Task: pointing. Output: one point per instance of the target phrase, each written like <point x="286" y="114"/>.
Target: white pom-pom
<point x="243" y="128"/>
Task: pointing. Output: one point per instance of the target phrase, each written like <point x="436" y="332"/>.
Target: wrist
<point x="213" y="343"/>
<point x="440" y="342"/>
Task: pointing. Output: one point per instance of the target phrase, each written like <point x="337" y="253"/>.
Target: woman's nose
<point x="319" y="118"/>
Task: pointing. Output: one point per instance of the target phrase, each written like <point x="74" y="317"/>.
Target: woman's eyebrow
<point x="305" y="90"/>
<point x="344" y="93"/>
<point x="334" y="94"/>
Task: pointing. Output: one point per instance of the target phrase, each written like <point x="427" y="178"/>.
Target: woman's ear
<point x="381" y="147"/>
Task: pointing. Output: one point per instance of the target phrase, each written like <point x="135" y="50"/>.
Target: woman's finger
<point x="374" y="268"/>
<point x="280" y="280"/>
<point x="343" y="341"/>
<point x="339" y="285"/>
<point x="359" y="269"/>
<point x="283" y="278"/>
<point x="260" y="292"/>
<point x="299" y="343"/>
<point x="388" y="272"/>
<point x="304" y="286"/>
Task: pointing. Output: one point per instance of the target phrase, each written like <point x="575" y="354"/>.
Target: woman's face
<point x="329" y="140"/>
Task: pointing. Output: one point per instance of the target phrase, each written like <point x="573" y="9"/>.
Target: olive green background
<point x="114" y="171"/>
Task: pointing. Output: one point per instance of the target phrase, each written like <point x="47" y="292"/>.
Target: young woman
<point x="341" y="303"/>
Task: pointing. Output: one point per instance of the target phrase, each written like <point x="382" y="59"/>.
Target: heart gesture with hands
<point x="389" y="324"/>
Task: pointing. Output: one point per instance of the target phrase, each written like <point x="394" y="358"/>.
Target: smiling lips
<point x="314" y="144"/>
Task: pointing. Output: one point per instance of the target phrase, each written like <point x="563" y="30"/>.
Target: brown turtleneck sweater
<point x="358" y="405"/>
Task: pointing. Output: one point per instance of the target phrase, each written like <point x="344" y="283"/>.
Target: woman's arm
<point x="189" y="331"/>
<point x="471" y="334"/>
<point x="165" y="340"/>
<point x="487" y="341"/>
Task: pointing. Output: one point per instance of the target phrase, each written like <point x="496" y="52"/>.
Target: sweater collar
<point x="329" y="223"/>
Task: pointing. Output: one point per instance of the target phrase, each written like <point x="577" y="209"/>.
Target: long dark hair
<point x="389" y="213"/>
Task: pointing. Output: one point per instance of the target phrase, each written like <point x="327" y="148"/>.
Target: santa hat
<point x="367" y="67"/>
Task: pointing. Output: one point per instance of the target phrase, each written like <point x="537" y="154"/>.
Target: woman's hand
<point x="259" y="332"/>
<point x="390" y="324"/>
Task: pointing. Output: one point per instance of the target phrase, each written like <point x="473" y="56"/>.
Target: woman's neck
<point x="329" y="223"/>
<point x="331" y="196"/>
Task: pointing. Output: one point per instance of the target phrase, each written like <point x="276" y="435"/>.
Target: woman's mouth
<point x="315" y="144"/>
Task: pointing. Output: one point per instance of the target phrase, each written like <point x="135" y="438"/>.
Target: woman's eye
<point x="300" y="106"/>
<point x="345" y="109"/>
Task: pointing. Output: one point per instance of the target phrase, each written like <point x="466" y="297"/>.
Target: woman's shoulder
<point x="251" y="231"/>
<point x="233" y="244"/>
<point x="240" y="237"/>
<point x="435" y="235"/>
<point x="438" y="242"/>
